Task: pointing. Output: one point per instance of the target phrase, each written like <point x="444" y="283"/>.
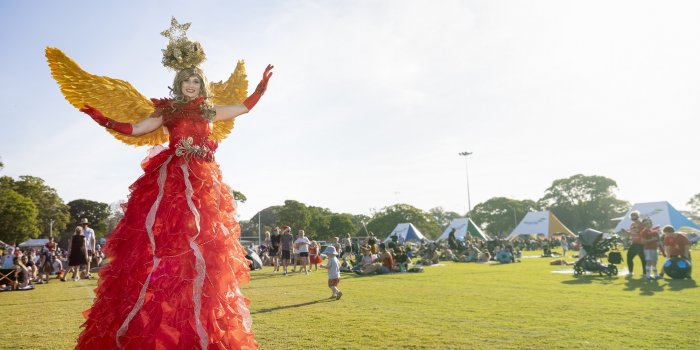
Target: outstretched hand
<point x="95" y="115"/>
<point x="262" y="86"/>
<point x="252" y="100"/>
<point x="268" y="72"/>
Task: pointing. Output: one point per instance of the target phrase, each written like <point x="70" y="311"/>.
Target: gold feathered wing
<point x="120" y="101"/>
<point x="115" y="98"/>
<point x="233" y="91"/>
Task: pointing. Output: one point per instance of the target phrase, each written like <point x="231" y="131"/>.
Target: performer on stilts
<point x="175" y="264"/>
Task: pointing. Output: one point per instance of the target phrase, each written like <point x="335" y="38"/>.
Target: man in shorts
<point x="302" y="246"/>
<point x="286" y="241"/>
<point x="90" y="243"/>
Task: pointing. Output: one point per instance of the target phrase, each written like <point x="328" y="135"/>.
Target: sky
<point x="371" y="102"/>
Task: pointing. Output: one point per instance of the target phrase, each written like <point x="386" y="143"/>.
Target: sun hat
<point x="84" y="221"/>
<point x="330" y="250"/>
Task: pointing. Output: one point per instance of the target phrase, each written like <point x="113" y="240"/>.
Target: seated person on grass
<point x="430" y="255"/>
<point x="402" y="260"/>
<point x="366" y="260"/>
<point x="22" y="275"/>
<point x="382" y="265"/>
<point x="345" y="264"/>
<point x="484" y="256"/>
<point x="394" y="243"/>
<point x="473" y="253"/>
<point x="447" y="254"/>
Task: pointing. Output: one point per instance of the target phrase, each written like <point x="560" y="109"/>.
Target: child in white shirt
<point x="333" y="267"/>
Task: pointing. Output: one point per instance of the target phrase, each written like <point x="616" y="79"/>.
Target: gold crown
<point x="181" y="52"/>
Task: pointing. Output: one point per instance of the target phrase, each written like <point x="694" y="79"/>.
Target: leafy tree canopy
<point x="385" y="220"/>
<point x="295" y="214"/>
<point x="53" y="215"/>
<point x="17" y="217"/>
<point x="498" y="216"/>
<point x="442" y="217"/>
<point x="694" y="204"/>
<point x="583" y="201"/>
<point x="97" y="214"/>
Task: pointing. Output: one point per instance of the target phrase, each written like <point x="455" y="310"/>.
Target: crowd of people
<point x="282" y="250"/>
<point x="646" y="241"/>
<point x="286" y="253"/>
<point x="23" y="268"/>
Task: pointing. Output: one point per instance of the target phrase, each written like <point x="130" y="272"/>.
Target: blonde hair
<point x="177" y="95"/>
<point x="78" y="230"/>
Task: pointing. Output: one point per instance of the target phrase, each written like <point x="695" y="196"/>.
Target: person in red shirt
<point x="650" y="238"/>
<point x="636" y="247"/>
<point x="51" y="246"/>
<point x="675" y="245"/>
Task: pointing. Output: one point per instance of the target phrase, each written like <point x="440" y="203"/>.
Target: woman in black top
<point x="77" y="253"/>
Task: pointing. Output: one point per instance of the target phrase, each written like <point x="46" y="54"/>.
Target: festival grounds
<point x="525" y="305"/>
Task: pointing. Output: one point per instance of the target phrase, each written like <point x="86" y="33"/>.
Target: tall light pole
<point x="259" y="228"/>
<point x="466" y="165"/>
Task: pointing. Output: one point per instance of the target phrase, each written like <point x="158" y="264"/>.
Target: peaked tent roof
<point x="35" y="242"/>
<point x="463" y="226"/>
<point x="540" y="222"/>
<point x="661" y="214"/>
<point x="407" y="231"/>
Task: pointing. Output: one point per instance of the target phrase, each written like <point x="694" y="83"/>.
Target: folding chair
<point x="7" y="276"/>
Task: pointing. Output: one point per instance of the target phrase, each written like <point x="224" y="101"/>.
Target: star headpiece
<point x="181" y="52"/>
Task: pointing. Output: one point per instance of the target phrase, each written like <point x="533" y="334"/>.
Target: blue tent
<point x="405" y="232"/>
<point x="660" y="213"/>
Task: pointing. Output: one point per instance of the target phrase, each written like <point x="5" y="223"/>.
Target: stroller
<point x="596" y="247"/>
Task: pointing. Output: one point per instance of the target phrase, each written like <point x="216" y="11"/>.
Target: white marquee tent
<point x="540" y="223"/>
<point x="660" y="213"/>
<point x="464" y="226"/>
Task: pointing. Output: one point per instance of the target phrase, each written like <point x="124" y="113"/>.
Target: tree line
<point x="579" y="201"/>
<point x="29" y="208"/>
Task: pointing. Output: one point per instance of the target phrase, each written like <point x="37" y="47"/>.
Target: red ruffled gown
<point x="175" y="263"/>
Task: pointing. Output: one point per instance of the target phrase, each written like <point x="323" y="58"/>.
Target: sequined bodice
<point x="188" y="130"/>
<point x="193" y="126"/>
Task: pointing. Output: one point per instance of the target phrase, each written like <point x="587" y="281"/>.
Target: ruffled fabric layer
<point x="175" y="265"/>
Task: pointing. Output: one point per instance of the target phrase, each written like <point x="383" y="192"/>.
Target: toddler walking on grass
<point x="333" y="267"/>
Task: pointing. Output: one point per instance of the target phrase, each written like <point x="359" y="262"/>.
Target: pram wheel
<point x="578" y="270"/>
<point x="612" y="270"/>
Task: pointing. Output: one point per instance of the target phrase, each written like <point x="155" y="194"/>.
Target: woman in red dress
<point x="314" y="257"/>
<point x="175" y="263"/>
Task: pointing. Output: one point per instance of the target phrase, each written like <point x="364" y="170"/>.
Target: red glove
<point x="124" y="128"/>
<point x="253" y="99"/>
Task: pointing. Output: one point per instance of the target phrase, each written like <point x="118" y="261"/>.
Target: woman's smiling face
<point x="191" y="87"/>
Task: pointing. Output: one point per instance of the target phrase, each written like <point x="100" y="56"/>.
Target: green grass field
<point x="455" y="306"/>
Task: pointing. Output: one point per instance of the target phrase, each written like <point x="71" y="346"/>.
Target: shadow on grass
<point x="262" y="311"/>
<point x="676" y="285"/>
<point x="255" y="276"/>
<point x="645" y="287"/>
<point x="590" y="279"/>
